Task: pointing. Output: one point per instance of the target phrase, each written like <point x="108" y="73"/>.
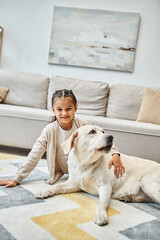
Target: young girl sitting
<point x="64" y="106"/>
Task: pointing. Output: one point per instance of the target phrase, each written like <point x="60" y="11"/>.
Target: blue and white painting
<point x="94" y="38"/>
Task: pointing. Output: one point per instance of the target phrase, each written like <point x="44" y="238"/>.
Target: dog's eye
<point x="92" y="132"/>
<point x="103" y="131"/>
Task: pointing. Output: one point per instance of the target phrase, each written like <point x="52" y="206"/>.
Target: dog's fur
<point x="89" y="155"/>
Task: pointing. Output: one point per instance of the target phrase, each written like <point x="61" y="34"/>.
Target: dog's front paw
<point x="44" y="194"/>
<point x="101" y="218"/>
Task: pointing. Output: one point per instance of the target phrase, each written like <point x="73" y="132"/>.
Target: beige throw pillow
<point x="150" y="107"/>
<point x="3" y="93"/>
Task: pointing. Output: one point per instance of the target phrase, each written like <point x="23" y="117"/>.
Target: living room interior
<point x="114" y="103"/>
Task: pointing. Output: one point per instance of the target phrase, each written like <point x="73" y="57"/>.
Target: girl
<point x="64" y="106"/>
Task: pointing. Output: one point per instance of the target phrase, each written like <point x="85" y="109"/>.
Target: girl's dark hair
<point x="63" y="93"/>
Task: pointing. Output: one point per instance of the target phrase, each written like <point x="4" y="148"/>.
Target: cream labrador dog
<point x="89" y="155"/>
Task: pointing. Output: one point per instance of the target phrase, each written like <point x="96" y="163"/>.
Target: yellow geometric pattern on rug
<point x="62" y="225"/>
<point x="7" y="156"/>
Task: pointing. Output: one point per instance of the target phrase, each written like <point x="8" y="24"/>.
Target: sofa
<point x="26" y="110"/>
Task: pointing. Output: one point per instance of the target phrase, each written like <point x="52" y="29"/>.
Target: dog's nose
<point x="109" y="138"/>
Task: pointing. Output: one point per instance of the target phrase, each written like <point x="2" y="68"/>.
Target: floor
<point x="15" y="150"/>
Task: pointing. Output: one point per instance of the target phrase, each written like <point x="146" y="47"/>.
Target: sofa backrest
<point x="25" y="89"/>
<point x="124" y="101"/>
<point x="91" y="96"/>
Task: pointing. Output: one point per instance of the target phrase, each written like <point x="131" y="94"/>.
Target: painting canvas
<point x="94" y="38"/>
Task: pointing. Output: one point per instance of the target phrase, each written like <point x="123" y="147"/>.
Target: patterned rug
<point x="66" y="216"/>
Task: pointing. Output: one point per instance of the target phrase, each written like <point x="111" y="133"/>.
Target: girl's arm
<point x="119" y="168"/>
<point x="33" y="158"/>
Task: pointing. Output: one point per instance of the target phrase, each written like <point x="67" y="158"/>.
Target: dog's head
<point x="89" y="142"/>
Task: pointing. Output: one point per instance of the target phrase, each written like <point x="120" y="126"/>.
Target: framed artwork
<point x="1" y="35"/>
<point x="94" y="38"/>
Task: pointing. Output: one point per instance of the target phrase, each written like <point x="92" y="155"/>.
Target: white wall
<point x="27" y="29"/>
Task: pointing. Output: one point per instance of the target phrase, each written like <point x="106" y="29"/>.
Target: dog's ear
<point x="69" y="143"/>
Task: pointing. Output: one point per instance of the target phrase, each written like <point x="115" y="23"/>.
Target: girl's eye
<point x="92" y="132"/>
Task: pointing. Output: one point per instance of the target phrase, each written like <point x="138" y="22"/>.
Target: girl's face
<point x="64" y="110"/>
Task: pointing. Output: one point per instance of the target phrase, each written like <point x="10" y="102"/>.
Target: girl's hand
<point x="119" y="168"/>
<point x="8" y="183"/>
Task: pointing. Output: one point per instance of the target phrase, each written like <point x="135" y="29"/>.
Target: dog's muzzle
<point x="109" y="143"/>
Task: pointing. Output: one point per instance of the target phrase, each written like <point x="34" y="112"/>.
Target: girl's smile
<point x="64" y="110"/>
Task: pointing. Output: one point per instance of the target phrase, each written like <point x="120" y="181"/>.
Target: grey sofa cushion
<point x="25" y="89"/>
<point x="91" y="96"/>
<point x="21" y="126"/>
<point x="7" y="110"/>
<point x="124" y="101"/>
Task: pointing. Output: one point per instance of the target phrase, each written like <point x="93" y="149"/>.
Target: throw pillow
<point x="3" y="93"/>
<point x="124" y="101"/>
<point x="91" y="96"/>
<point x="150" y="107"/>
